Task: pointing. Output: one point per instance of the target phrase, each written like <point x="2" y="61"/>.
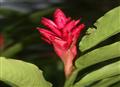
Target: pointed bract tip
<point x="60" y="18"/>
<point x="58" y="10"/>
<point x="81" y="26"/>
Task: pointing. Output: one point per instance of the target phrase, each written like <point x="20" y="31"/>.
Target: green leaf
<point x="6" y="12"/>
<point x="21" y="74"/>
<point x="98" y="55"/>
<point x="107" y="81"/>
<point x="104" y="72"/>
<point x="116" y="85"/>
<point x="107" y="26"/>
<point x="11" y="51"/>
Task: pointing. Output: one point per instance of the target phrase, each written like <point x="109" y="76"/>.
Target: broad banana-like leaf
<point x="99" y="55"/>
<point x="21" y="74"/>
<point x="105" y="72"/>
<point x="106" y="26"/>
<point x="108" y="81"/>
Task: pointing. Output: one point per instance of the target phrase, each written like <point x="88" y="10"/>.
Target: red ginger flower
<point x="62" y="33"/>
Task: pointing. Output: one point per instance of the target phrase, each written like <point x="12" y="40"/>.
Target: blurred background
<point x="19" y="38"/>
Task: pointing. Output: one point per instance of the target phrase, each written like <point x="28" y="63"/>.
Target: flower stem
<point x="70" y="80"/>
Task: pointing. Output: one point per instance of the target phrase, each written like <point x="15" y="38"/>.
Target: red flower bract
<point x="62" y="33"/>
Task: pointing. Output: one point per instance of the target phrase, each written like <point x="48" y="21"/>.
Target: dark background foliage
<point x="18" y="20"/>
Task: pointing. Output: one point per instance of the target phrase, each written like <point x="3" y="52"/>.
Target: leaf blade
<point x="108" y="81"/>
<point x="105" y="72"/>
<point x="99" y="55"/>
<point x="21" y="74"/>
<point x="107" y="26"/>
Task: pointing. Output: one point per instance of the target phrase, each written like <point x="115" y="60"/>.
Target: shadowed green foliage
<point x="104" y="72"/>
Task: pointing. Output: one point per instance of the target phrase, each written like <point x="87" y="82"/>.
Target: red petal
<point x="69" y="40"/>
<point x="74" y="50"/>
<point x="69" y="26"/>
<point x="60" y="43"/>
<point x="50" y="24"/>
<point x="77" y="30"/>
<point x="46" y="33"/>
<point x="60" y="46"/>
<point x="77" y="22"/>
<point x="59" y="51"/>
<point x="48" y="41"/>
<point x="65" y="35"/>
<point x="60" y="18"/>
<point x="68" y="19"/>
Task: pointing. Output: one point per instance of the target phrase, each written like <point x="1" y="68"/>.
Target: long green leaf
<point x="108" y="81"/>
<point x="21" y="74"/>
<point x="107" y="26"/>
<point x="99" y="55"/>
<point x="11" y="51"/>
<point x="6" y="12"/>
<point x="104" y="72"/>
<point x="116" y="85"/>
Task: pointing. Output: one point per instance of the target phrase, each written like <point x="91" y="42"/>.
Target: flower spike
<point x="62" y="34"/>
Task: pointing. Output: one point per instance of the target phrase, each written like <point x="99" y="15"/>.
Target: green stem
<point x="69" y="81"/>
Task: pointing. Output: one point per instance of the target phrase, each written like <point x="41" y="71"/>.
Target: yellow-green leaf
<point x="21" y="74"/>
<point x="106" y="26"/>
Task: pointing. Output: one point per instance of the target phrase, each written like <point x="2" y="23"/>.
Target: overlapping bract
<point x="62" y="33"/>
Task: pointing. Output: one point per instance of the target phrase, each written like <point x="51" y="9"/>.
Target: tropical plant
<point x="97" y="66"/>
